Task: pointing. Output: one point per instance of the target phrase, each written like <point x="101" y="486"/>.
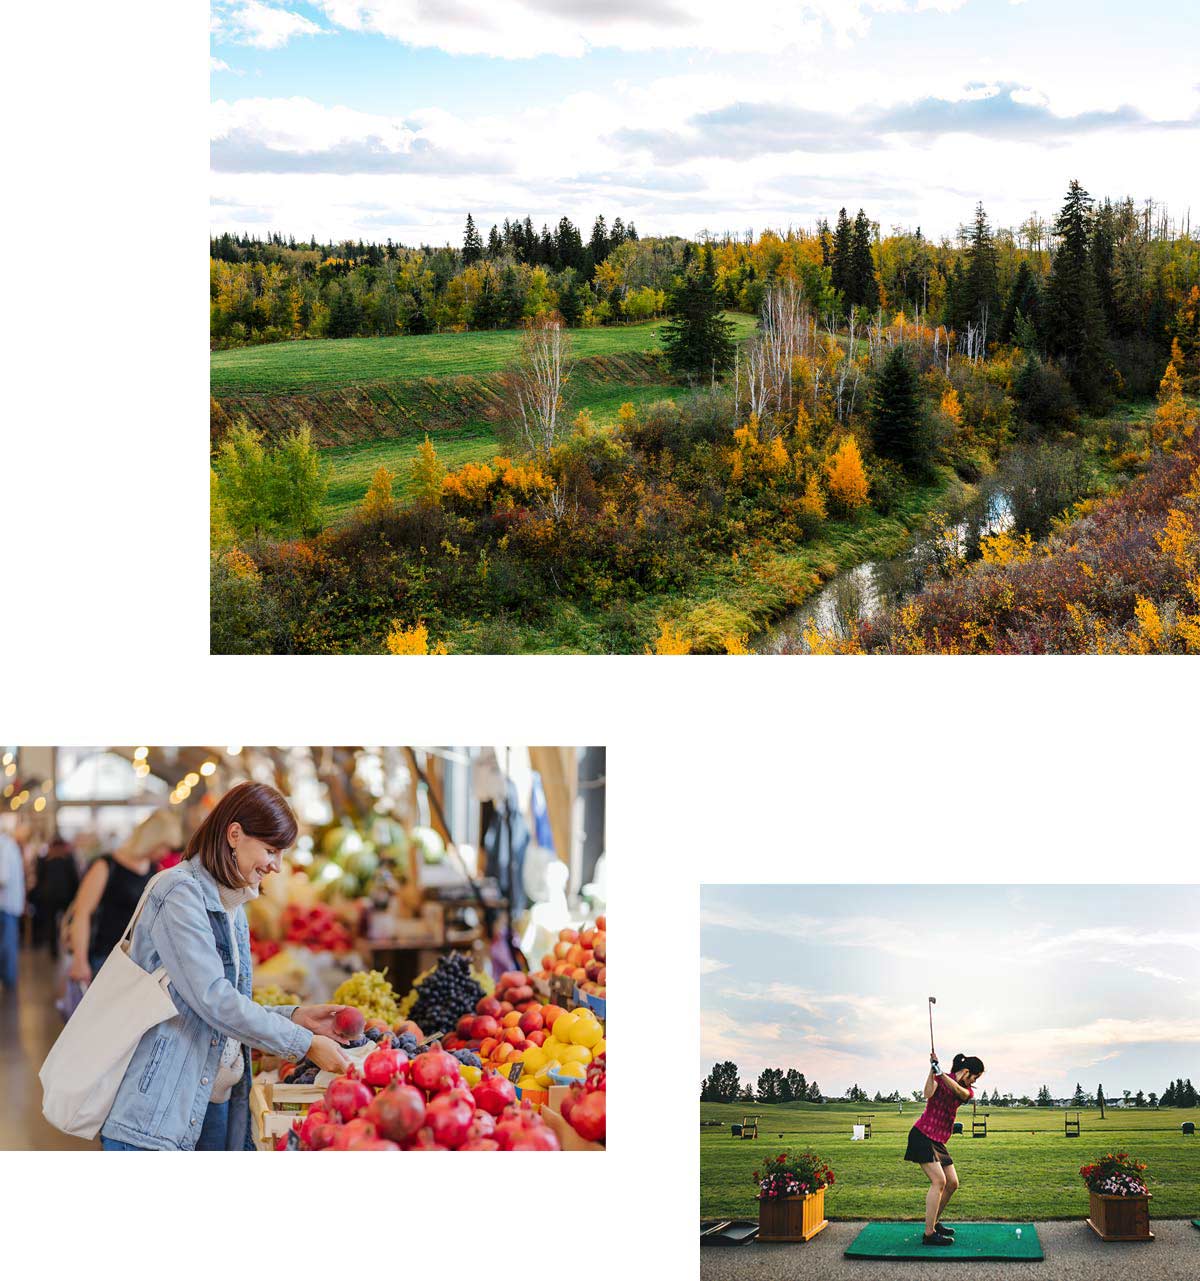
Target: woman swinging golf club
<point x="932" y="1129"/>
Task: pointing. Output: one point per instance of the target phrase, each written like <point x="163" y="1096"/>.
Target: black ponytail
<point x="968" y="1061"/>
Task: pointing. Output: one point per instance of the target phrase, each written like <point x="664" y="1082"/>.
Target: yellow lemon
<point x="577" y="1070"/>
<point x="543" y="1077"/>
<point x="576" y="1054"/>
<point x="598" y="1048"/>
<point x="528" y="1083"/>
<point x="552" y="1047"/>
<point x="533" y="1058"/>
<point x="584" y="1033"/>
<point x="470" y="1074"/>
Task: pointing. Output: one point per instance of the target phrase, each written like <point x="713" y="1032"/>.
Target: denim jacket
<point x="163" y="1096"/>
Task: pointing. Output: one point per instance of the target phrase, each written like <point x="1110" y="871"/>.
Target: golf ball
<point x="1018" y="1232"/>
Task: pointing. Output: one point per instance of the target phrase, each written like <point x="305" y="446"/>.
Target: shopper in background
<point x="188" y="1084"/>
<point x="56" y="885"/>
<point x="12" y="907"/>
<point x="110" y="891"/>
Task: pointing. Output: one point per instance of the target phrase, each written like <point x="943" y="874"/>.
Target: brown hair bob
<point x="263" y="814"/>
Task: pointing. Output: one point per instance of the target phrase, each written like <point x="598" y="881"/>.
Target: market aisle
<point x="29" y="1024"/>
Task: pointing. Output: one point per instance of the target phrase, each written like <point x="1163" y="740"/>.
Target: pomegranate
<point x="538" y="1138"/>
<point x="434" y="1071"/>
<point x="397" y="1112"/>
<point x="449" y="1119"/>
<point x="348" y="1023"/>
<point x="572" y="1096"/>
<point x="587" y="1116"/>
<point x="374" y="1145"/>
<point x="359" y="1128"/>
<point x="494" y="1093"/>
<point x="322" y="1136"/>
<point x="483" y="1125"/>
<point x="346" y="1096"/>
<point x="316" y="1116"/>
<point x="423" y="1141"/>
<point x="480" y="1145"/>
<point x="380" y="1067"/>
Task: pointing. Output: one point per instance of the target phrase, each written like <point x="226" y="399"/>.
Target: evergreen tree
<point x="1103" y="252"/>
<point x="980" y="300"/>
<point x="814" y="1093"/>
<point x="784" y="1087"/>
<point x="472" y="249"/>
<point x="598" y="246"/>
<point x="418" y="321"/>
<point x="570" y="302"/>
<point x="1024" y="299"/>
<point x="1077" y="1099"/>
<point x="698" y="340"/>
<point x="1100" y="1100"/>
<point x="495" y="243"/>
<point x="862" y="287"/>
<point x="345" y="313"/>
<point x="1139" y="1100"/>
<point x="512" y="297"/>
<point x="1074" y="324"/>
<point x="896" y="428"/>
<point x="839" y="257"/>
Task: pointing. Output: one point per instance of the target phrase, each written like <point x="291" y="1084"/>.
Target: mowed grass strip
<point x="1024" y="1169"/>
<point x="353" y="466"/>
<point x="328" y="362"/>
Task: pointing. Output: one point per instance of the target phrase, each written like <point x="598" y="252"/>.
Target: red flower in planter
<point x="781" y="1158"/>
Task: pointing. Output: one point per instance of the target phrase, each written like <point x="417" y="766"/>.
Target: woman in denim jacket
<point x="188" y="1084"/>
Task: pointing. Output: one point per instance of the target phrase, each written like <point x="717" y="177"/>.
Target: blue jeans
<point x="10" y="932"/>
<point x="212" y="1133"/>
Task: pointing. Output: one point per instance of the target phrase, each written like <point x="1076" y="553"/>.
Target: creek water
<point x="857" y="594"/>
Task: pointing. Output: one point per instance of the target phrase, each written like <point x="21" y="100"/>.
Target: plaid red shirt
<point x="937" y="1121"/>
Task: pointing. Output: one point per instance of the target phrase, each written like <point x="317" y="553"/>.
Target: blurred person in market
<point x="188" y="1084"/>
<point x="12" y="905"/>
<point x="111" y="888"/>
<point x="56" y="884"/>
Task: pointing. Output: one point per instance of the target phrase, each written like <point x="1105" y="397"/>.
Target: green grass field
<point x="472" y="441"/>
<point x="346" y="362"/>
<point x="1024" y="1169"/>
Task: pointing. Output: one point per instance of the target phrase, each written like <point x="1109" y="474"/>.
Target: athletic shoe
<point x="936" y="1239"/>
<point x="943" y="1231"/>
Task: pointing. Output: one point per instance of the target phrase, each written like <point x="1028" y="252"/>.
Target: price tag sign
<point x="562" y="990"/>
<point x="515" y="1072"/>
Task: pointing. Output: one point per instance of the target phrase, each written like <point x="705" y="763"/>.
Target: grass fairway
<point x="1024" y="1169"/>
<point x="324" y="363"/>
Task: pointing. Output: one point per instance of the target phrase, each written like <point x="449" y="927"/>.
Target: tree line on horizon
<point x="777" y="1085"/>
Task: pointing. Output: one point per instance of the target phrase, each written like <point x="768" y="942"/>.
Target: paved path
<point x="1073" y="1253"/>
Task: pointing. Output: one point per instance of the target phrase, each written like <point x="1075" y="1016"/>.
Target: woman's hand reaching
<point x="328" y="1055"/>
<point x="80" y="970"/>
<point x="318" y="1019"/>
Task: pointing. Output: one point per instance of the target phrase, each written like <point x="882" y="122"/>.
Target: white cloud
<point x="570" y="28"/>
<point x="709" y="966"/>
<point x="263" y="26"/>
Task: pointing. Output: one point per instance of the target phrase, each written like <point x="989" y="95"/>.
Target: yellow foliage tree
<point x="427" y="475"/>
<point x="412" y="640"/>
<point x="804" y="427"/>
<point x="812" y="503"/>
<point x="736" y="645"/>
<point x="627" y="414"/>
<point x="848" y="484"/>
<point x="1173" y="420"/>
<point x="951" y="406"/>
<point x="378" y="500"/>
<point x="670" y="640"/>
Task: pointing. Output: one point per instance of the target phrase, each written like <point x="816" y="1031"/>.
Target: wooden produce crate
<point x="566" y="1133"/>
<point x="273" y="1108"/>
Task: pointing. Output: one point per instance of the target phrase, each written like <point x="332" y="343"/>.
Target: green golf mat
<point x="1196" y="1223"/>
<point x="971" y="1241"/>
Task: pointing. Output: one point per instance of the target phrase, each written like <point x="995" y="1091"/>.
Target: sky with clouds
<point x="381" y="118"/>
<point x="1047" y="984"/>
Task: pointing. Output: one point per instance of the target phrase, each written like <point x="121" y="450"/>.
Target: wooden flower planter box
<point x="791" y="1218"/>
<point x="1120" y="1218"/>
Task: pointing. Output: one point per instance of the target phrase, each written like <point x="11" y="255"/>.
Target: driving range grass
<point x="323" y="363"/>
<point x="1024" y="1169"/>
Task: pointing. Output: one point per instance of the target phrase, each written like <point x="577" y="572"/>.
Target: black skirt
<point x="922" y="1149"/>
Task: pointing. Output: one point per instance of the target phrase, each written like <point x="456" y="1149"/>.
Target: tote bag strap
<point x="160" y="974"/>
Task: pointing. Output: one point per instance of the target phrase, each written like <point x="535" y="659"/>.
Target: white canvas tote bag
<point x="84" y="1069"/>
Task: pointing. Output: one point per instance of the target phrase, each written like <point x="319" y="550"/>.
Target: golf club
<point x="932" y="1003"/>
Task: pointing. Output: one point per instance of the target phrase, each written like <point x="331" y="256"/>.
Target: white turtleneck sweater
<point x="233" y="1062"/>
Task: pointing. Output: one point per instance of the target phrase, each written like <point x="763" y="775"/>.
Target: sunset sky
<point x="1047" y="984"/>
